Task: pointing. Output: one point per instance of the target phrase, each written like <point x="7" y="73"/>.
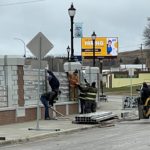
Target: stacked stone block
<point x="64" y="86"/>
<point x="9" y="80"/>
<point x="31" y="85"/>
<point x="19" y="91"/>
<point x="3" y="91"/>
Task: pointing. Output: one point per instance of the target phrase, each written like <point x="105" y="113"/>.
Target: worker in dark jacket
<point x="53" y="81"/>
<point x="82" y="97"/>
<point x="49" y="97"/>
<point x="145" y="92"/>
<point x="88" y="98"/>
<point x="91" y="97"/>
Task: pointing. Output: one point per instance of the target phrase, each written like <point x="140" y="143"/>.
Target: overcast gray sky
<point x="125" y="19"/>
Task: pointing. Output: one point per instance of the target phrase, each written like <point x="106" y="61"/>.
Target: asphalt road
<point x="132" y="135"/>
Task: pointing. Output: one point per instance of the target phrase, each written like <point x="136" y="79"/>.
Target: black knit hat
<point x="93" y="84"/>
<point x="145" y="84"/>
<point x="76" y="71"/>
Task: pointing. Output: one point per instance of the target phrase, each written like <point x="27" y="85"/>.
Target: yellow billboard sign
<point x="104" y="47"/>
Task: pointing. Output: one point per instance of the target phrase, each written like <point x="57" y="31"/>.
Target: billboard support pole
<point x="101" y="72"/>
<point x="93" y="38"/>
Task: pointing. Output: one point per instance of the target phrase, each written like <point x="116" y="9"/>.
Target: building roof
<point x="134" y="66"/>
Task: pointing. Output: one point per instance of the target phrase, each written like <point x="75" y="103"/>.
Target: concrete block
<point x="2" y="83"/>
<point x="20" y="111"/>
<point x="15" y="87"/>
<point x="1" y="60"/>
<point x="14" y="73"/>
<point x="11" y="61"/>
<point x="3" y="88"/>
<point x="64" y="75"/>
<point x="14" y="68"/>
<point x="3" y="99"/>
<point x="30" y="93"/>
<point x="30" y="102"/>
<point x="4" y="104"/>
<point x="1" y="67"/>
<point x="72" y="66"/>
<point x="9" y="86"/>
<point x="29" y="87"/>
<point x="28" y="73"/>
<point x="91" y="70"/>
<point x="26" y="67"/>
<point x="33" y="72"/>
<point x="2" y="78"/>
<point x="15" y="78"/>
<point x="15" y="82"/>
<point x="15" y="102"/>
<point x="15" y="92"/>
<point x="30" y="78"/>
<point x="1" y="73"/>
<point x="1" y="93"/>
<point x="14" y="60"/>
<point x="63" y="98"/>
<point x="15" y="96"/>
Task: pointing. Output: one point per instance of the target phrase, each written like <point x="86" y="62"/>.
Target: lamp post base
<point x="103" y="97"/>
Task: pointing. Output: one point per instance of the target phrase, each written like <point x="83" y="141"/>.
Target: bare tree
<point x="147" y="56"/>
<point x="137" y="60"/>
<point x="146" y="34"/>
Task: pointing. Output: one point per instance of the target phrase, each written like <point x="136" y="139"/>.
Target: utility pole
<point x="141" y="55"/>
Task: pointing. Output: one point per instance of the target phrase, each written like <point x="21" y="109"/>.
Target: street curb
<point x="44" y="135"/>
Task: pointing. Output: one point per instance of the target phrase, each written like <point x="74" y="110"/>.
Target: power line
<point x="130" y="46"/>
<point x="21" y="3"/>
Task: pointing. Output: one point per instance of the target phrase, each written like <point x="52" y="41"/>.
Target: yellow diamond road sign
<point x="39" y="45"/>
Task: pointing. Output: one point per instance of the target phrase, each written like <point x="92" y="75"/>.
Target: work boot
<point x="47" y="118"/>
<point x="53" y="118"/>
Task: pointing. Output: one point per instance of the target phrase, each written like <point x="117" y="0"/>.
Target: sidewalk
<point x="20" y="132"/>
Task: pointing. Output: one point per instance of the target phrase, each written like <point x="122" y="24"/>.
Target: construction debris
<point x="103" y="97"/>
<point x="130" y="115"/>
<point x="94" y="118"/>
<point x="2" y="138"/>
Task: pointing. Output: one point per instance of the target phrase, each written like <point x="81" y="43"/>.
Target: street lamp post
<point x="93" y="38"/>
<point x="141" y="55"/>
<point x="72" y="12"/>
<point x="101" y="72"/>
<point x="23" y="45"/>
<point x="68" y="51"/>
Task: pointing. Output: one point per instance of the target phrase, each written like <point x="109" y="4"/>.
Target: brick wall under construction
<point x="19" y="92"/>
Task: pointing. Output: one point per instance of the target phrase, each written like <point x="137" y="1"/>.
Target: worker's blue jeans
<point x="46" y="105"/>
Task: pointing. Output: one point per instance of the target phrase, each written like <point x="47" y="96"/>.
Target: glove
<point x="51" y="103"/>
<point x="85" y="81"/>
<point x="49" y="72"/>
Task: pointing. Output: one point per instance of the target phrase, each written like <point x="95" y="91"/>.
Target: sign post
<point x="39" y="46"/>
<point x="131" y="74"/>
